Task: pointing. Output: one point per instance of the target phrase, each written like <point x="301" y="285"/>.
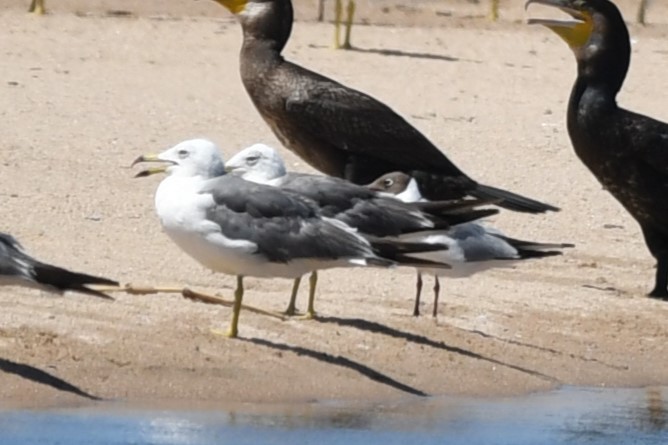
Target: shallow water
<point x="565" y="416"/>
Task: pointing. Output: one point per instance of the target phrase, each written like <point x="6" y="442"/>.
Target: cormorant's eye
<point x="389" y="182"/>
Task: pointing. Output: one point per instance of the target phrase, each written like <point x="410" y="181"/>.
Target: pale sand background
<point x="81" y="95"/>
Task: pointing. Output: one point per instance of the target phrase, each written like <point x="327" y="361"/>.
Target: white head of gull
<point x="258" y="163"/>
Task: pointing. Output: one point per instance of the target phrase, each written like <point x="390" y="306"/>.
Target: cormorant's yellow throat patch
<point x="235" y="6"/>
<point x="574" y="32"/>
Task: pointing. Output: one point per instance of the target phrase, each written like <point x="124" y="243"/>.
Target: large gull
<point x="368" y="211"/>
<point x="241" y="228"/>
<point x="17" y="268"/>
<point x="473" y="247"/>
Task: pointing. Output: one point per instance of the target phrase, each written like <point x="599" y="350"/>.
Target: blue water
<point x="566" y="416"/>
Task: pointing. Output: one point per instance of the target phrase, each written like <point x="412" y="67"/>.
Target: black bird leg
<point x="416" y="309"/>
<point x="661" y="287"/>
<point x="437" y="291"/>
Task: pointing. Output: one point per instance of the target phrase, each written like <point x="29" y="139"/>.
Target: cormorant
<point x="340" y="131"/>
<point x="626" y="151"/>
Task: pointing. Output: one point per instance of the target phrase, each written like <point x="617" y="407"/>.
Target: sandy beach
<point x="85" y="91"/>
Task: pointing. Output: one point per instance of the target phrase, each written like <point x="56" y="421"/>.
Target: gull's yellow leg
<point x="292" y="306"/>
<point x="349" y="24"/>
<point x="312" y="281"/>
<point x="37" y="7"/>
<point x="338" y="13"/>
<point x="233" y="330"/>
<point x="494" y="10"/>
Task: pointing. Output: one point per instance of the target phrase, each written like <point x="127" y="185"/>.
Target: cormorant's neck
<point x="267" y="26"/>
<point x="602" y="63"/>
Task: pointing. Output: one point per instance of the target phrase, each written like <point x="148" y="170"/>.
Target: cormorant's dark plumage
<point x="626" y="151"/>
<point x="340" y="131"/>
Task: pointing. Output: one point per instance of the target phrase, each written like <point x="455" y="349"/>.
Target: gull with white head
<point x="367" y="211"/>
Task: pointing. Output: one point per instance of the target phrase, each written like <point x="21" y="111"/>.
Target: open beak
<point x="234" y="6"/>
<point x="152" y="170"/>
<point x="575" y="32"/>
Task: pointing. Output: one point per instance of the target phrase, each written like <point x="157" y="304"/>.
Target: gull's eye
<point x="387" y="183"/>
<point x="252" y="160"/>
<point x="183" y="153"/>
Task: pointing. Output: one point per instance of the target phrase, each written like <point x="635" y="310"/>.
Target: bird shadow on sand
<point x="341" y="361"/>
<point x="382" y="329"/>
<point x="409" y="54"/>
<point x="38" y="376"/>
<point x="401" y="53"/>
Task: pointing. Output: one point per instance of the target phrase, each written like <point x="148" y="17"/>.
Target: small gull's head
<point x="194" y="157"/>
<point x="258" y="163"/>
<point x="402" y="186"/>
<point x="394" y="183"/>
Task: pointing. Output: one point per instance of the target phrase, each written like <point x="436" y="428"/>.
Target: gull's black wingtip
<point x="64" y="280"/>
<point x="512" y="201"/>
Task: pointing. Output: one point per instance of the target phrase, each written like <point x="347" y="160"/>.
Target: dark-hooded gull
<point x="473" y="247"/>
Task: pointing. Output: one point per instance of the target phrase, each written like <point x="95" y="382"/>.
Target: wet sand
<point x="85" y="93"/>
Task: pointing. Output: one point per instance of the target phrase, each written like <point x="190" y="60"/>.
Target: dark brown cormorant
<point x="626" y="151"/>
<point x="340" y="131"/>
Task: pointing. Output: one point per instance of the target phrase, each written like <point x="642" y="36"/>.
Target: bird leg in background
<point x="321" y="10"/>
<point x="292" y="305"/>
<point x="338" y="12"/>
<point x="418" y="285"/>
<point x="338" y="15"/>
<point x="494" y="10"/>
<point x="37" y="7"/>
<point x="437" y="290"/>
<point x="640" y="14"/>
<point x="185" y="293"/>
<point x="233" y="330"/>
<point x="349" y="24"/>
<point x="312" y="281"/>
